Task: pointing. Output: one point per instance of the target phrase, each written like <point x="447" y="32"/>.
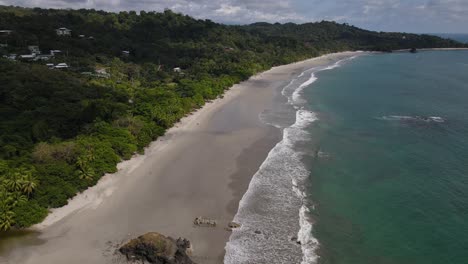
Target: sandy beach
<point x="201" y="167"/>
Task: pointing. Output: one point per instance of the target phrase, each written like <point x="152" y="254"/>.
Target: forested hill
<point x="75" y="103"/>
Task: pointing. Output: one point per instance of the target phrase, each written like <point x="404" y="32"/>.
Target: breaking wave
<point x="426" y="119"/>
<point x="275" y="217"/>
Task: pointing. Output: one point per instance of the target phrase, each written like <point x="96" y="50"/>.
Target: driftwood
<point x="203" y="221"/>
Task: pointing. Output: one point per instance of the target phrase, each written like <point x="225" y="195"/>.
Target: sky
<point x="418" y="16"/>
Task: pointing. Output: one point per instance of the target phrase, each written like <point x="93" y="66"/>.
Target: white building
<point x="61" y="66"/>
<point x="177" y="69"/>
<point x="102" y="73"/>
<point x="5" y="32"/>
<point x="55" y="52"/>
<point x="63" y="31"/>
<point x="34" y="49"/>
<point x="10" y="56"/>
<point x="45" y="57"/>
<point x="28" y="56"/>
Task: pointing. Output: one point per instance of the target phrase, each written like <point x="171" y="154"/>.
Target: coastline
<point x="201" y="167"/>
<point x="429" y="49"/>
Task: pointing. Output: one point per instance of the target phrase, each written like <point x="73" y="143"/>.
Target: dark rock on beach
<point x="295" y="240"/>
<point x="156" y="248"/>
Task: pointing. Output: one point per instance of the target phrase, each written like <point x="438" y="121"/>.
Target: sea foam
<point x="269" y="209"/>
<point x="276" y="224"/>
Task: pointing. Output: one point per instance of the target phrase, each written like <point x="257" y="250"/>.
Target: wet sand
<point x="202" y="167"/>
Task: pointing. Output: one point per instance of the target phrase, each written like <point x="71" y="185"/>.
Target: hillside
<point x="75" y="103"/>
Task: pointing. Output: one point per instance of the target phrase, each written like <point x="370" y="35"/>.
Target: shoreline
<point x="432" y="49"/>
<point x="202" y="166"/>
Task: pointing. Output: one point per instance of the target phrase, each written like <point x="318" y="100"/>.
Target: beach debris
<point x="156" y="248"/>
<point x="232" y="225"/>
<point x="258" y="232"/>
<point x="295" y="240"/>
<point x="204" y="221"/>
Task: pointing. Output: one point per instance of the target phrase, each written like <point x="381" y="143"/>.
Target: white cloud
<point x="228" y="10"/>
<point x="410" y="15"/>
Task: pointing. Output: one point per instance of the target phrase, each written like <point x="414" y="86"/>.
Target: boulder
<point x="156" y="248"/>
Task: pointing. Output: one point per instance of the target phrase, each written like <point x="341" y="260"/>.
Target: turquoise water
<point x="392" y="184"/>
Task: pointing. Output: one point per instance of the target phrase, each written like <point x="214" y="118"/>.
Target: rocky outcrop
<point x="159" y="249"/>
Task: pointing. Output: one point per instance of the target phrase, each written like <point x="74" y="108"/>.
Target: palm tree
<point x="17" y="198"/>
<point x="29" y="184"/>
<point x="81" y="162"/>
<point x="86" y="173"/>
<point x="6" y="219"/>
<point x="6" y="215"/>
<point x="14" y="182"/>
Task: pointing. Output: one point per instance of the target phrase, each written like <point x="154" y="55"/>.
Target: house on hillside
<point x="178" y="70"/>
<point x="61" y="66"/>
<point x="126" y="53"/>
<point x="63" y="31"/>
<point x="34" y="49"/>
<point x="43" y="57"/>
<point x="27" y="57"/>
<point x="102" y="73"/>
<point x="50" y="65"/>
<point x="10" y="56"/>
<point x="5" y="32"/>
<point x="55" y="52"/>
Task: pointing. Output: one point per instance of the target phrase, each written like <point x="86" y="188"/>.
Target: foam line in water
<point x="277" y="184"/>
<point x="404" y="118"/>
<point x="273" y="212"/>
<point x="297" y="93"/>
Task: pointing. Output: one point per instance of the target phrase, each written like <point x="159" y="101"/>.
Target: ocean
<point x="458" y="37"/>
<point x="372" y="168"/>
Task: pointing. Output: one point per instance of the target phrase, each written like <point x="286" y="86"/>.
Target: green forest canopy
<point x="61" y="130"/>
